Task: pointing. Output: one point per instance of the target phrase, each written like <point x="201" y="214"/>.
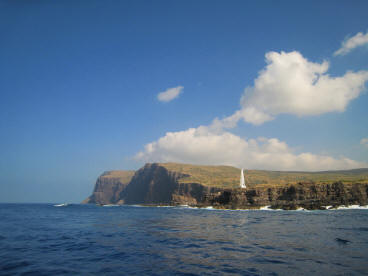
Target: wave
<point x="263" y="208"/>
<point x="268" y="208"/>
<point x="347" y="207"/>
<point x="61" y="205"/>
<point x="329" y="207"/>
<point x="352" y="207"/>
<point x="139" y="205"/>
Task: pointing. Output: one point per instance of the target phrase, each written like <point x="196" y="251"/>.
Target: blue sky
<point x="79" y="85"/>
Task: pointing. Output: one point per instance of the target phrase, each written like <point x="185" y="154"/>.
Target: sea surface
<point x="43" y="239"/>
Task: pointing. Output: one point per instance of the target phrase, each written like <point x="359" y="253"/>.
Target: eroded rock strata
<point x="302" y="195"/>
<point x="154" y="184"/>
<point x="109" y="186"/>
<point x="159" y="184"/>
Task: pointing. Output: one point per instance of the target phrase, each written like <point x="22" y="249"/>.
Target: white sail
<point x="242" y="181"/>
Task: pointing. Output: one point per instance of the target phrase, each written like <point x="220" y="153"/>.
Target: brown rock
<point x="109" y="186"/>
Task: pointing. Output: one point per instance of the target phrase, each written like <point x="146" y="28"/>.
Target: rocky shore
<point x="160" y="184"/>
<point x="302" y="195"/>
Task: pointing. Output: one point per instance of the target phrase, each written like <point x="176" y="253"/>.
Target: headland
<point x="218" y="186"/>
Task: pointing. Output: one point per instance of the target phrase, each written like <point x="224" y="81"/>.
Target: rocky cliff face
<point x="154" y="184"/>
<point x="159" y="184"/>
<point x="109" y="187"/>
<point x="305" y="195"/>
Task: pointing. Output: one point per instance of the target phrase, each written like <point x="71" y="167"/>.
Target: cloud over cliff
<point x="202" y="146"/>
<point x="289" y="84"/>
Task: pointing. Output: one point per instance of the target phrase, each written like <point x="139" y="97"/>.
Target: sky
<point x="91" y="86"/>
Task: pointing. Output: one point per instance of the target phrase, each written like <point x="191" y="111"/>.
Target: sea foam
<point x="61" y="205"/>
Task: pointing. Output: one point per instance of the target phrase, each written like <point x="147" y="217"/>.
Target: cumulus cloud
<point x="364" y="142"/>
<point x="202" y="146"/>
<point x="290" y="84"/>
<point x="170" y="94"/>
<point x="347" y="46"/>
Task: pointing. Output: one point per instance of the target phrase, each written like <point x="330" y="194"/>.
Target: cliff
<point x="218" y="186"/>
<point x="157" y="184"/>
<point x="310" y="196"/>
<point x="109" y="186"/>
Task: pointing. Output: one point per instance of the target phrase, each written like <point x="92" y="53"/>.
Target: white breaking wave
<point x="348" y="207"/>
<point x="352" y="207"/>
<point x="266" y="208"/>
<point x="263" y="208"/>
<point x="61" y="205"/>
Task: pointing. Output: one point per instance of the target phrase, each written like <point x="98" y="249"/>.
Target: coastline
<point x="217" y="187"/>
<point x="261" y="208"/>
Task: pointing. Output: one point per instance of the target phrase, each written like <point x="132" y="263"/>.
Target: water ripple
<point x="79" y="239"/>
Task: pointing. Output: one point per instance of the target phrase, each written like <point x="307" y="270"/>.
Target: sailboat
<point x="242" y="181"/>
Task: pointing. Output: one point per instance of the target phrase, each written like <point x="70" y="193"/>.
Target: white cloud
<point x="364" y="142"/>
<point x="170" y="94"/>
<point x="202" y="146"/>
<point x="290" y="84"/>
<point x="347" y="46"/>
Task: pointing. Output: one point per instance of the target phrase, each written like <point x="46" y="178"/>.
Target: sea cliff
<point x="217" y="186"/>
<point x="309" y="196"/>
<point x="109" y="186"/>
<point x="156" y="184"/>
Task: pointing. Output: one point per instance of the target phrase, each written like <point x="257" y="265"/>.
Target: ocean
<point x="43" y="239"/>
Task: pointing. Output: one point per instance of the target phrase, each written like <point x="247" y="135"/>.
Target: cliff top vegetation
<point x="123" y="176"/>
<point x="228" y="177"/>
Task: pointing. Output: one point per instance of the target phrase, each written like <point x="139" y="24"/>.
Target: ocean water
<point x="42" y="239"/>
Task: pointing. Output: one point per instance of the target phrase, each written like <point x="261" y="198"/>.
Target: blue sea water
<point x="41" y="239"/>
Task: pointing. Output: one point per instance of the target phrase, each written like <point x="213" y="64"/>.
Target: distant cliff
<point x="155" y="184"/>
<point x="178" y="184"/>
<point x="109" y="186"/>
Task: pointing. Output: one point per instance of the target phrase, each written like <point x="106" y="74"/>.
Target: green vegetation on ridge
<point x="216" y="176"/>
<point x="228" y="177"/>
<point x="123" y="176"/>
